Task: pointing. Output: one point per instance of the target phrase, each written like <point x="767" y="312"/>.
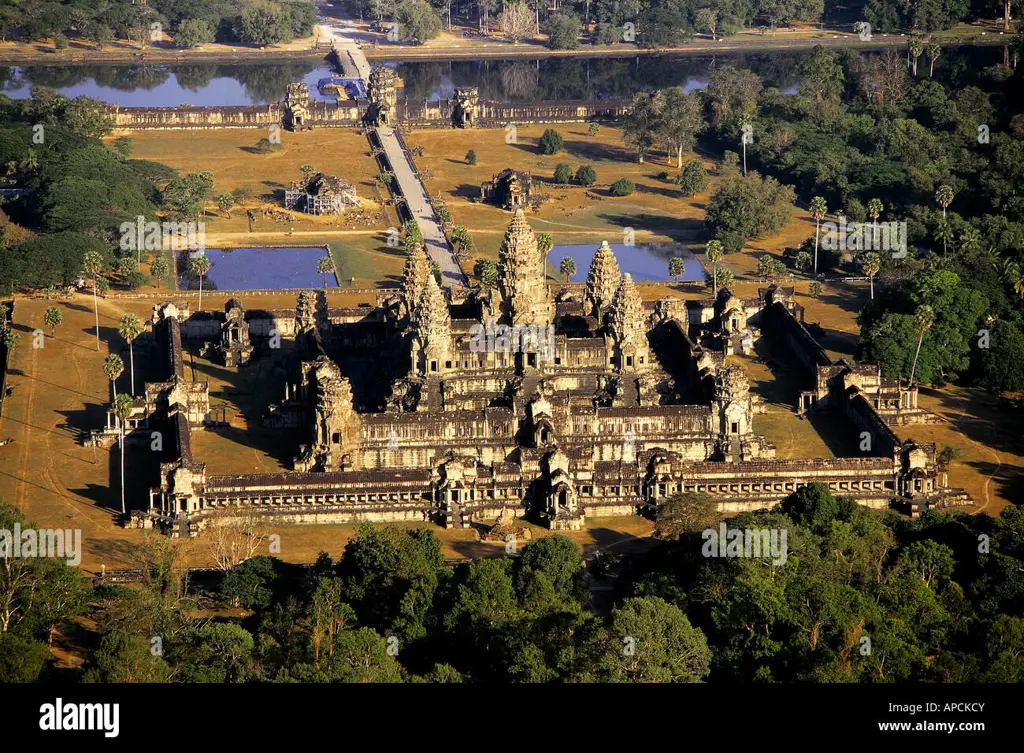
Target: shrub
<point x="551" y="142"/>
<point x="563" y="31"/>
<point x="471" y="157"/>
<point x="692" y="178"/>
<point x="622" y="187"/>
<point x="586" y="176"/>
<point x="563" y="174"/>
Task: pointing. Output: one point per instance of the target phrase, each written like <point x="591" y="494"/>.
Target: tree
<point x="676" y="268"/>
<point x="706" y="19"/>
<point x="640" y="128"/>
<point x="324" y="265"/>
<point x="563" y="31"/>
<point x="723" y="277"/>
<point x="159" y="267"/>
<point x="93" y="266"/>
<point x="516" y="21"/>
<point x="914" y="49"/>
<point x="113" y="367"/>
<point x="567" y="268"/>
<point x="586" y="176"/>
<point x="471" y="157"/>
<point x="129" y="327"/>
<point x="872" y="263"/>
<point x="679" y="121"/>
<point x="551" y="142"/>
<point x="102" y="36"/>
<point x="934" y="51"/>
<point x="944" y="197"/>
<point x="200" y="265"/>
<point x="126" y="658"/>
<point x="653" y="641"/>
<point x="714" y="252"/>
<point x="123" y="411"/>
<point x="748" y="207"/>
<point x="684" y="512"/>
<point x="875" y="208"/>
<point x="11" y="340"/>
<point x="52" y="317"/>
<point x="225" y="201"/>
<point x="818" y="211"/>
<point x="622" y="187"/>
<point x="692" y="178"/>
<point x="262" y="22"/>
<point x="1003" y="364"/>
<point x="487" y="271"/>
<point x="545" y="242"/>
<point x="769" y="267"/>
<point x="924" y="317"/>
<point x="307" y="171"/>
<point x="418" y="21"/>
<point x="193" y="32"/>
<point x="563" y="174"/>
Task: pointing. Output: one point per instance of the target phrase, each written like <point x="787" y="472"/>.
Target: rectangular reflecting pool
<point x="646" y="262"/>
<point x="267" y="268"/>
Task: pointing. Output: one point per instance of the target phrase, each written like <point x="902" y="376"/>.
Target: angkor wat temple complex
<point x="382" y="106"/>
<point x="588" y="402"/>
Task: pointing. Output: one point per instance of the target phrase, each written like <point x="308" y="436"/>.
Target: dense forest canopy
<point x="861" y="596"/>
<point x="647" y="23"/>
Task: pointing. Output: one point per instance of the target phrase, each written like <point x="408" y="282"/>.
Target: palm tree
<point x="915" y="48"/>
<point x="129" y="328"/>
<point x="945" y="234"/>
<point x="875" y="208"/>
<point x="1012" y="273"/>
<point x="872" y="263"/>
<point x="925" y="318"/>
<point x="545" y="243"/>
<point x="567" y="268"/>
<point x="93" y="266"/>
<point x="306" y="170"/>
<point x="934" y="50"/>
<point x="324" y="265"/>
<point x="113" y="367"/>
<point x="11" y="341"/>
<point x="714" y="251"/>
<point x="970" y="240"/>
<point x="123" y="411"/>
<point x="818" y="211"/>
<point x="51" y="318"/>
<point x="200" y="266"/>
<point x="944" y="197"/>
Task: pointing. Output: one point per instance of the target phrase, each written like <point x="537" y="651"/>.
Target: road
<point x="342" y="36"/>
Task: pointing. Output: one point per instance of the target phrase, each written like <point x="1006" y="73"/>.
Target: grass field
<point x="656" y="211"/>
<point x="357" y="238"/>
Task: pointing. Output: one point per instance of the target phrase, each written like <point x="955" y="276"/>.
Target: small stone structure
<point x="320" y="194"/>
<point x="235" y="348"/>
<point x="510" y="189"/>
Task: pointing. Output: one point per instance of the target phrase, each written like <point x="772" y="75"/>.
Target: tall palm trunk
<point x="200" y="292"/>
<point x="131" y="359"/>
<point x="913" y="369"/>
<point x="121" y="448"/>
<point x="817" y="232"/>
<point x="96" y="310"/>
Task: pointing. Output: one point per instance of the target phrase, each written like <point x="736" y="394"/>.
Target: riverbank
<point x="449" y="46"/>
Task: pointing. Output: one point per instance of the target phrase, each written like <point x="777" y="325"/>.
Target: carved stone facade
<point x="510" y="189"/>
<point x="467" y="425"/>
<point x="235" y="346"/>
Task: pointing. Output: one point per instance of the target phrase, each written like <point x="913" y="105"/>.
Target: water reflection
<point x="577" y="78"/>
<point x="270" y="268"/>
<point x="644" y="262"/>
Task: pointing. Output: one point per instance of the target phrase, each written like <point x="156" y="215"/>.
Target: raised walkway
<point x="341" y="36"/>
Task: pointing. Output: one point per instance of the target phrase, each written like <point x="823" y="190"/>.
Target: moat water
<point x="267" y="268"/>
<point x="645" y="262"/>
<point x="499" y="80"/>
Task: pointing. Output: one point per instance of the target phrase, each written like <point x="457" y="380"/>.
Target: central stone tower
<point x="522" y="276"/>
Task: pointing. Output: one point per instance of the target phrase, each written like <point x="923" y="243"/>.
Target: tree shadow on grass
<point x="596" y="151"/>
